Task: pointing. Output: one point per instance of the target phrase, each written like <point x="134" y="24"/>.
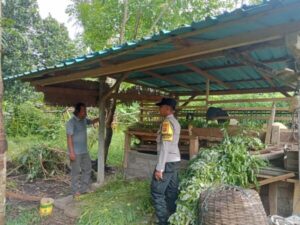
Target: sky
<point x="57" y="10"/>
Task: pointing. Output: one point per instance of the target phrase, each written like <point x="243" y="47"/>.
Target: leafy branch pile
<point x="42" y="161"/>
<point x="227" y="163"/>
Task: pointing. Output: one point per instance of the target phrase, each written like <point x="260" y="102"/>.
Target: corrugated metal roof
<point x="222" y="67"/>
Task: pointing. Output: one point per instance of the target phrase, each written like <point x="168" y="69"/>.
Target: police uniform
<point x="165" y="192"/>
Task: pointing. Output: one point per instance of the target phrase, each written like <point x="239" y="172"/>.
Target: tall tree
<point x="30" y="42"/>
<point x="102" y="21"/>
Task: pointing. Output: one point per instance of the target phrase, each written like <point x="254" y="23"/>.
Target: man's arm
<point x="71" y="147"/>
<point x="92" y="122"/>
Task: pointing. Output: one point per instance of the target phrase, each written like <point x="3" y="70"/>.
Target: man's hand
<point x="72" y="156"/>
<point x="158" y="175"/>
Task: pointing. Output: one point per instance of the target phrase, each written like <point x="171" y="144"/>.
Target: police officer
<point x="164" y="185"/>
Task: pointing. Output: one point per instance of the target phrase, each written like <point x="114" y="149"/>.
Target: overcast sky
<point x="57" y="10"/>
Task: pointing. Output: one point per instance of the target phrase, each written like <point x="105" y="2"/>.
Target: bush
<point x="26" y="119"/>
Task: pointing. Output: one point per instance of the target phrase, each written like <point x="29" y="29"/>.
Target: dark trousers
<point x="80" y="171"/>
<point x="165" y="192"/>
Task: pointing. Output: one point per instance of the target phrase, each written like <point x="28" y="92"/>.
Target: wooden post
<point x="273" y="198"/>
<point x="296" y="199"/>
<point x="194" y="146"/>
<point x="101" y="150"/>
<point x="207" y="93"/>
<point x="275" y="135"/>
<point x="141" y="111"/>
<point x="126" y="148"/>
<point x="270" y="124"/>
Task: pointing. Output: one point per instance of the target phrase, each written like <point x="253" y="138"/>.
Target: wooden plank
<point x="270" y="124"/>
<point x="239" y="91"/>
<point x="186" y="102"/>
<point x="149" y="134"/>
<point x="207" y="94"/>
<point x="287" y="180"/>
<point x="250" y="100"/>
<point x="273" y="198"/>
<point x="296" y="199"/>
<point x="272" y="155"/>
<point x="275" y="136"/>
<point x="284" y="109"/>
<point x="207" y="75"/>
<point x="247" y="38"/>
<point x="275" y="179"/>
<point x="193" y="147"/>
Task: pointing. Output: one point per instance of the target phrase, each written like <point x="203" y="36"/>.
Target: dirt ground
<point x="48" y="188"/>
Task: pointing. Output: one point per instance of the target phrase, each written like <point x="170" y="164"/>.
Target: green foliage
<point x="227" y="163"/>
<point x="118" y="203"/>
<point x="26" y="119"/>
<point x="25" y="216"/>
<point x="103" y="20"/>
<point x="41" y="161"/>
<point x="30" y="42"/>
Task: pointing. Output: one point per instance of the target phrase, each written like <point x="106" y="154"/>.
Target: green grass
<point x="116" y="149"/>
<point x="25" y="216"/>
<point x="118" y="203"/>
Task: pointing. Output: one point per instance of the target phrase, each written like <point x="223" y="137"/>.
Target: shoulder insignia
<point x="167" y="131"/>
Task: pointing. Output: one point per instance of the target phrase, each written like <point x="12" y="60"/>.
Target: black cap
<point x="167" y="101"/>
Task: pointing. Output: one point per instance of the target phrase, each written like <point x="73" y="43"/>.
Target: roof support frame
<point x="257" y="36"/>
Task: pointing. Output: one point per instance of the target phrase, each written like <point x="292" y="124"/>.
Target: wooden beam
<point x="273" y="198"/>
<point x="265" y="71"/>
<point x="207" y="93"/>
<point x="117" y="84"/>
<point x="247" y="38"/>
<point x="188" y="101"/>
<point x="250" y="100"/>
<point x="270" y="124"/>
<point x="170" y="80"/>
<point x="226" y="82"/>
<point x="101" y="144"/>
<point x="296" y="199"/>
<point x="275" y="179"/>
<point x="67" y="91"/>
<point x="207" y="75"/>
<point x="232" y="92"/>
<point x="215" y="68"/>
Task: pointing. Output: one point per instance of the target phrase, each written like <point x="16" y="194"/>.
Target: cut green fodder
<point x="118" y="203"/>
<point x="227" y="163"/>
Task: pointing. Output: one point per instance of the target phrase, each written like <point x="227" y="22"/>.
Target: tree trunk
<point x="137" y="21"/>
<point x="3" y="145"/>
<point x="100" y="172"/>
<point x="124" y="21"/>
<point x="164" y="10"/>
<point x="111" y="108"/>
